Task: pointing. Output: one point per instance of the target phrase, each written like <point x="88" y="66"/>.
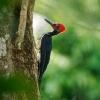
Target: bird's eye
<point x="57" y="27"/>
<point x="56" y="24"/>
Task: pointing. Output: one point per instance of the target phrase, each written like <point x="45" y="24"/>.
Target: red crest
<point x="62" y="27"/>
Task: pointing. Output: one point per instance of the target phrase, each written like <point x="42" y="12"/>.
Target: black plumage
<point x="45" y="51"/>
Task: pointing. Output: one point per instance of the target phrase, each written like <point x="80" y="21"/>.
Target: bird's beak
<point x="51" y="23"/>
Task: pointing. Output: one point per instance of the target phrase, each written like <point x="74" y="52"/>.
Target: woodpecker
<point x="46" y="47"/>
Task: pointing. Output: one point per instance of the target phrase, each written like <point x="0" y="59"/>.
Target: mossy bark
<point x="15" y="61"/>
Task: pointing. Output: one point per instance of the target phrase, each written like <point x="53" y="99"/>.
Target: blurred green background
<point x="74" y="70"/>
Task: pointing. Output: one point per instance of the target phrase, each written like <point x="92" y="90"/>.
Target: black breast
<point x="46" y="43"/>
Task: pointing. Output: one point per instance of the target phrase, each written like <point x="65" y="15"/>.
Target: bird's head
<point x="60" y="28"/>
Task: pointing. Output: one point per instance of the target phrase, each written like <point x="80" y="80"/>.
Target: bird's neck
<point x="53" y="33"/>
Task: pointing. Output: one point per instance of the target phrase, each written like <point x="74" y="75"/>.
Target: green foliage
<point x="74" y="70"/>
<point x="18" y="84"/>
<point x="12" y="84"/>
<point x="15" y="83"/>
<point x="3" y="3"/>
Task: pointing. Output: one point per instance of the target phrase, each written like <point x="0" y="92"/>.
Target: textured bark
<point x="14" y="61"/>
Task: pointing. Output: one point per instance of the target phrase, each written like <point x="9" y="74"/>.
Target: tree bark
<point x="17" y="52"/>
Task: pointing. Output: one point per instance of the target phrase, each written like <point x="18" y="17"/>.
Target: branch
<point x="22" y="23"/>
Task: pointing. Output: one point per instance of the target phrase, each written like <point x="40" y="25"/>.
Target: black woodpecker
<point x="46" y="47"/>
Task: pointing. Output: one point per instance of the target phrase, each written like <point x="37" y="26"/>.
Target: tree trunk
<point x="18" y="60"/>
